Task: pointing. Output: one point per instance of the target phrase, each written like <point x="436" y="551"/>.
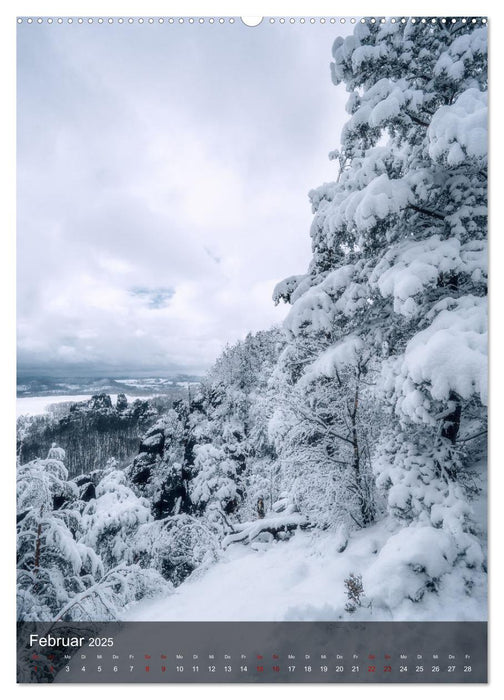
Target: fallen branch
<point x="247" y="532"/>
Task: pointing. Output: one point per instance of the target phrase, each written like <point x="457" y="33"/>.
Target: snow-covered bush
<point x="113" y="593"/>
<point x="111" y="519"/>
<point x="411" y="563"/>
<point x="175" y="546"/>
<point x="52" y="565"/>
<point x="216" y="478"/>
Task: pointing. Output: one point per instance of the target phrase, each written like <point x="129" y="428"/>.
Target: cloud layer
<point x="162" y="182"/>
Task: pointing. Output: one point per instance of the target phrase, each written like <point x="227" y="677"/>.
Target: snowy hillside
<point x="304" y="579"/>
<point x="334" y="467"/>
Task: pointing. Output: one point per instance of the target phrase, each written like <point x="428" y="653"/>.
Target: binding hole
<point x="251" y="21"/>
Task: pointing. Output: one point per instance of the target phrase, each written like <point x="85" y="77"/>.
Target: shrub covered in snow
<point x="175" y="546"/>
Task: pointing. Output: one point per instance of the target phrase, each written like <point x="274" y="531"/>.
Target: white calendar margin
<point x="294" y="8"/>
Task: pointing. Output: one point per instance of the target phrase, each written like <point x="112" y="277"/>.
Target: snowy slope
<point x="302" y="579"/>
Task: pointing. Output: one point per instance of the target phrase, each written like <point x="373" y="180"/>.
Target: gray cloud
<point x="170" y="160"/>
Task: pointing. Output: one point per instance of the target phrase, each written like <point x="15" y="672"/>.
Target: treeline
<point x="90" y="545"/>
<point x="91" y="432"/>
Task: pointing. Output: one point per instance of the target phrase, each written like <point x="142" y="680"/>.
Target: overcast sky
<point x="163" y="173"/>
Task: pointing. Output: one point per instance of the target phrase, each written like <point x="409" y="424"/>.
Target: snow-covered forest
<point x="333" y="468"/>
<point x="91" y="432"/>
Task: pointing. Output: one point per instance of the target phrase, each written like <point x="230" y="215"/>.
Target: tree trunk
<point x="37" y="544"/>
<point x="451" y="422"/>
<point x="365" y="510"/>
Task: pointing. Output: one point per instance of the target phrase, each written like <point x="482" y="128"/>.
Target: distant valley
<point x="31" y="385"/>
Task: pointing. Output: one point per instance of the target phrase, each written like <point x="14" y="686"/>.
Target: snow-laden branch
<point x="246" y="532"/>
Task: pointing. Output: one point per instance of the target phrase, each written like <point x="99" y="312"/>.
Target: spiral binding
<point x="432" y="21"/>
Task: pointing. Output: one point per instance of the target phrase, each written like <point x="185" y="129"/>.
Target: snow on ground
<point x="36" y="405"/>
<point x="302" y="579"/>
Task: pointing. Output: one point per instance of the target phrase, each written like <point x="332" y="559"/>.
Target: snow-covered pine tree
<point x="233" y="456"/>
<point x="398" y="274"/>
<point x="110" y="520"/>
<point x="74" y="547"/>
<point x="52" y="566"/>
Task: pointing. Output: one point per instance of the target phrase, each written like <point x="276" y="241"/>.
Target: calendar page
<point x="252" y="349"/>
